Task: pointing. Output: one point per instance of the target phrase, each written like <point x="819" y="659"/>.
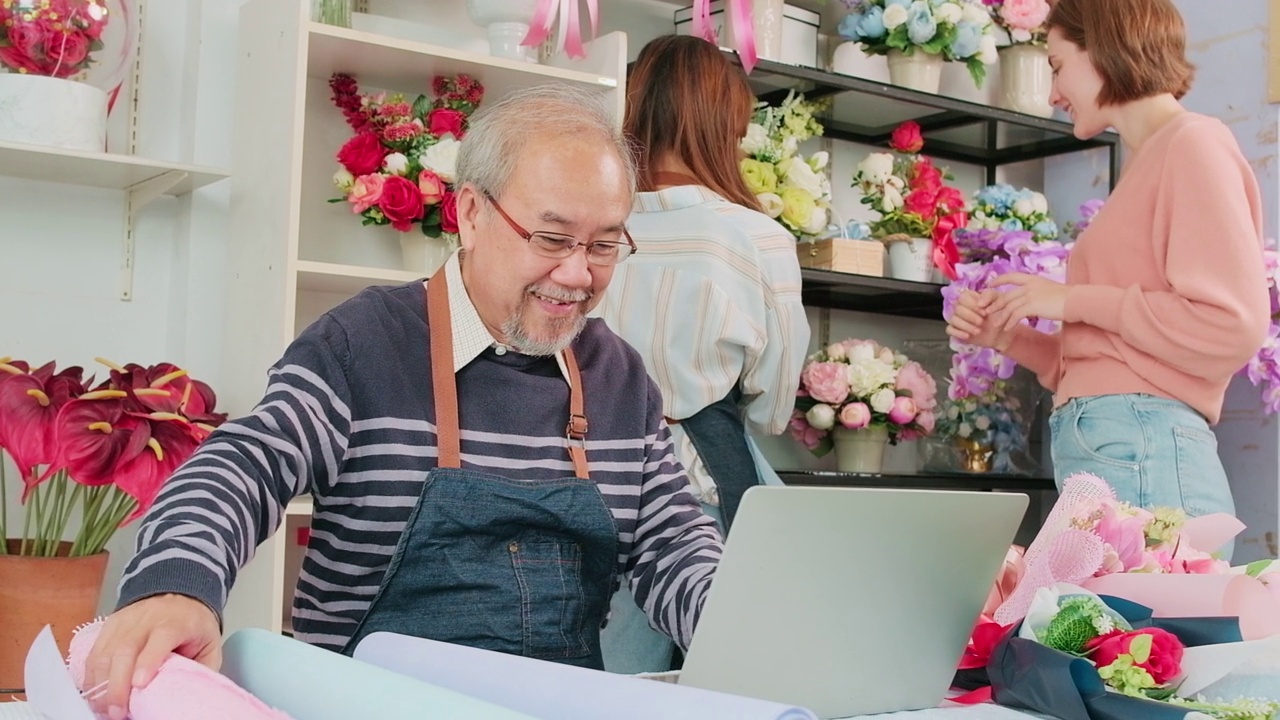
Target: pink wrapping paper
<point x="1213" y="595"/>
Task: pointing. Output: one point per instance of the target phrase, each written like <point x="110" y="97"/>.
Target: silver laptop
<point x="849" y="601"/>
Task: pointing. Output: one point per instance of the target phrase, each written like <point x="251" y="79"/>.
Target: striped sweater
<point x="348" y="418"/>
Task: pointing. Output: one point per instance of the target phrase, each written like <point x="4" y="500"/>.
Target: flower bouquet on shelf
<point x="919" y="213"/>
<point x="87" y="460"/>
<point x="1099" y="575"/>
<point x="791" y="189"/>
<point x="858" y="395"/>
<point x="1263" y="369"/>
<point x="1004" y="207"/>
<point x="400" y="166"/>
<point x="1026" y="79"/>
<point x="918" y="36"/>
<point x="986" y="430"/>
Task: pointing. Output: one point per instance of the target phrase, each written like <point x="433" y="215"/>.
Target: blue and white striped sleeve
<point x="230" y="496"/>
<point x="677" y="545"/>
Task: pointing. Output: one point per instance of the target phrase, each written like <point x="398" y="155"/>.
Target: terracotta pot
<point x="59" y="591"/>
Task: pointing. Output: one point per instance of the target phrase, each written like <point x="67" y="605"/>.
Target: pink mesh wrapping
<point x="1059" y="553"/>
<point x="182" y="688"/>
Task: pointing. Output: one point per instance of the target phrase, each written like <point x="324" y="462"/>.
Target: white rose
<point x="771" y="203"/>
<point x="885" y="356"/>
<point x="442" y="159"/>
<point x="965" y="430"/>
<point x="756" y="139"/>
<point x="396" y="164"/>
<point x="819" y="160"/>
<point x="882" y="400"/>
<point x="975" y="14"/>
<point x="790" y="145"/>
<point x="821" y="416"/>
<point x="988" y="53"/>
<point x="894" y="15"/>
<point x="953" y="412"/>
<point x="800" y="175"/>
<point x="862" y="352"/>
<point x="836" y="352"/>
<point x="1023" y="208"/>
<point x="817" y="221"/>
<point x="948" y="13"/>
<point x="892" y="197"/>
<point x="982" y="422"/>
<point x="876" y="168"/>
<point x="1020" y="35"/>
<point x="344" y="180"/>
<point x="1039" y="203"/>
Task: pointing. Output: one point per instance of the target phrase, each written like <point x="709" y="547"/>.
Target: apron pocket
<point x="552" y="605"/>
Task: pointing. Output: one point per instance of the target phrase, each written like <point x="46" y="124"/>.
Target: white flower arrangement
<point x="791" y="189"/>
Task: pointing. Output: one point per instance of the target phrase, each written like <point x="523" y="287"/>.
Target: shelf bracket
<point x="139" y="196"/>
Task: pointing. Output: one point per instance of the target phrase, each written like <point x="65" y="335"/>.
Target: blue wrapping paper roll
<point x="309" y="683"/>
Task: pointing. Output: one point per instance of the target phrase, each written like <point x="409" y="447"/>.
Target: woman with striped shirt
<point x="712" y="297"/>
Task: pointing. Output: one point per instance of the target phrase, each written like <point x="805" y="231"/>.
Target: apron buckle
<point x="577" y="427"/>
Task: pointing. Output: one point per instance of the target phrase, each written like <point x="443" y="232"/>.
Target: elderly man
<point x="487" y="464"/>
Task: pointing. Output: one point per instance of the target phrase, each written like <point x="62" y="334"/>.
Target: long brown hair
<point x="685" y="98"/>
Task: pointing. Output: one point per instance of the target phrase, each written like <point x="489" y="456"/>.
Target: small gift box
<point x="861" y="257"/>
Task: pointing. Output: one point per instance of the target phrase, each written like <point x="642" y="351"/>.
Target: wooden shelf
<point x="865" y="293"/>
<point x="347" y="279"/>
<point x="976" y="481"/>
<point x="388" y="62"/>
<point x="104" y="170"/>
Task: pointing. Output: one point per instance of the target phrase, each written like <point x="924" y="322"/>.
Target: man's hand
<point x="972" y="321"/>
<point x="135" y="640"/>
<point x="1031" y="297"/>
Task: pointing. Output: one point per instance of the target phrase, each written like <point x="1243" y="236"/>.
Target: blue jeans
<point x="1153" y="451"/>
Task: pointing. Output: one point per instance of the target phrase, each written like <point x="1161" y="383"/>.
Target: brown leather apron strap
<point x="576" y="431"/>
<point x="671" y="421"/>
<point x="663" y="177"/>
<point x="443" y="384"/>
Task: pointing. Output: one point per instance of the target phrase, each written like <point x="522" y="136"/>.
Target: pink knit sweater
<point x="1168" y="294"/>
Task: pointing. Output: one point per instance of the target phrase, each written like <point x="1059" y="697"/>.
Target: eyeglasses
<point x="555" y="245"/>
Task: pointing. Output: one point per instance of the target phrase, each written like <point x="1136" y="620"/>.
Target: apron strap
<point x="443" y="384"/>
<point x="663" y="177"/>
<point x="576" y="431"/>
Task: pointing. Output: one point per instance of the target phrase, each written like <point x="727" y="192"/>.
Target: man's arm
<point x="230" y="495"/>
<point x="676" y="545"/>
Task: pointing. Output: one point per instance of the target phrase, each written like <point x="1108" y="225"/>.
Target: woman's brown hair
<point x="1138" y="47"/>
<point x="685" y="98"/>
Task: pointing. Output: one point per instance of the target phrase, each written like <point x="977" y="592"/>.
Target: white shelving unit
<point x="293" y="254"/>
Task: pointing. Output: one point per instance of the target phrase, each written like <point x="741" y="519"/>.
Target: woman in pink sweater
<point x="1165" y="297"/>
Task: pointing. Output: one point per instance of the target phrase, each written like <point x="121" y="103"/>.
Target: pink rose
<point x="855" y="415"/>
<point x="446" y="121"/>
<point x="431" y="186"/>
<point x="906" y="137"/>
<point x="827" y="382"/>
<point x="401" y="202"/>
<point x="913" y="379"/>
<point x="366" y="192"/>
<point x="903" y="411"/>
<point x="926" y="421"/>
<point x="803" y="432"/>
<point x="66" y="51"/>
<point x="1024" y="14"/>
<point x="362" y="154"/>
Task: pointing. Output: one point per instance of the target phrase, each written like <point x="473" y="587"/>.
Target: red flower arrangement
<point x="400" y="167"/>
<point x="51" y="37"/>
<point x="105" y="451"/>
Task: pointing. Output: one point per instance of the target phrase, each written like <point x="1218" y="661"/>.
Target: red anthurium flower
<point x="160" y="443"/>
<point x="92" y="433"/>
<point x="29" y="404"/>
<point x="167" y="388"/>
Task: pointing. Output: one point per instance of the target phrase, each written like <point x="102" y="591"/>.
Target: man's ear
<point x="470" y="205"/>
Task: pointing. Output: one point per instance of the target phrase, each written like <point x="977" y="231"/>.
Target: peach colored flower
<point x="432" y="187"/>
<point x="366" y="192"/>
<point x="855" y="415"/>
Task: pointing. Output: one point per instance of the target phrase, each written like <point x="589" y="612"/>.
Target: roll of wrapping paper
<point x="309" y="683"/>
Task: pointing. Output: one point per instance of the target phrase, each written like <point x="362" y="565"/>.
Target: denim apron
<point x="521" y="567"/>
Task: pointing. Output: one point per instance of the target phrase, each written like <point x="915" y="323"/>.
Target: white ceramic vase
<point x="766" y="20"/>
<point x="917" y="71"/>
<point x="911" y="259"/>
<point x="40" y="110"/>
<point x="1026" y="80"/>
<point x="507" y="23"/>
<point x="422" y="253"/>
<point x="860" y="451"/>
<point x="850" y="59"/>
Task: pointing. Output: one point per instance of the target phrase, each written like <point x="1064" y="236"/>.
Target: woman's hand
<point x="1031" y="297"/>
<point x="972" y="321"/>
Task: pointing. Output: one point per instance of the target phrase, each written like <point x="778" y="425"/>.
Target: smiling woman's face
<point x="1076" y="85"/>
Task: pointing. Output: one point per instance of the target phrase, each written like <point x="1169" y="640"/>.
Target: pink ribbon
<point x="740" y="19"/>
<point x="569" y="37"/>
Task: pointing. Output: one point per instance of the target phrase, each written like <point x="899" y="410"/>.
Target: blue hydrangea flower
<point x="848" y="27"/>
<point x="1011" y="224"/>
<point x="1045" y="229"/>
<point x="968" y="40"/>
<point x="871" y="26"/>
<point x="921" y="27"/>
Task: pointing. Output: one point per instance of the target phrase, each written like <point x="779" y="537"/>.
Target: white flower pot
<point x="911" y="260"/>
<point x="958" y="83"/>
<point x="917" y="71"/>
<point x="850" y="59"/>
<point x="422" y="253"/>
<point x="507" y="22"/>
<point x="39" y="110"/>
<point x="860" y="451"/>
<point x="1026" y="80"/>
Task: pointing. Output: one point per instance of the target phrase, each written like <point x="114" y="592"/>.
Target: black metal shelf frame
<point x="975" y="481"/>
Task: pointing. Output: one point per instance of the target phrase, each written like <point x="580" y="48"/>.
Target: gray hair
<point x="497" y="134"/>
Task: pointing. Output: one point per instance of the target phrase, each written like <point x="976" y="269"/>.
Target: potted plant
<point x="917" y="37"/>
<point x="86" y="460"/>
<point x="792" y="189"/>
<point x="1025" y="76"/>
